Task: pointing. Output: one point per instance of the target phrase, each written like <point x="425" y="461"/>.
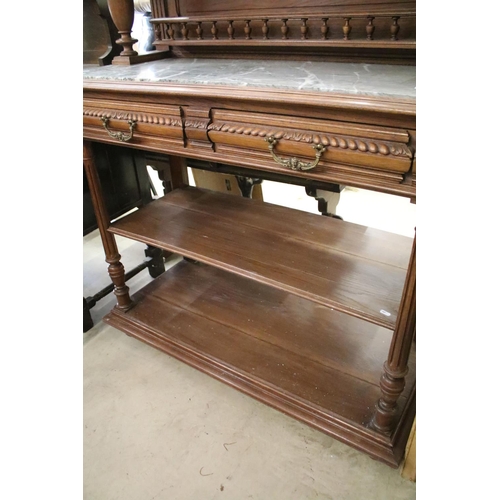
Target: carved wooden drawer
<point x="316" y="148"/>
<point x="132" y="124"/>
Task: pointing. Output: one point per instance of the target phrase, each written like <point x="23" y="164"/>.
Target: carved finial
<point x="122" y="13"/>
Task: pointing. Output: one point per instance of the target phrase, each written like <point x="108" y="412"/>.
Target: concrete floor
<point x="155" y="428"/>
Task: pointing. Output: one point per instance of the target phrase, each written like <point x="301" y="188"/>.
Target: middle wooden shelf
<point x="348" y="267"/>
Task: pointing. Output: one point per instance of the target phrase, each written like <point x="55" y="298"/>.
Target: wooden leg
<point x="246" y="185"/>
<point x="178" y="171"/>
<point x="156" y="264"/>
<point x="115" y="269"/>
<point x="327" y="200"/>
<point x="392" y="381"/>
<point x="88" y="323"/>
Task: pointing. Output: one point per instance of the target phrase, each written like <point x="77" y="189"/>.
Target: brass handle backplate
<point x="294" y="163"/>
<point x="121" y="136"/>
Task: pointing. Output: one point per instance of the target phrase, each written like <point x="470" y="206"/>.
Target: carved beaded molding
<point x="139" y="117"/>
<point x="354" y="144"/>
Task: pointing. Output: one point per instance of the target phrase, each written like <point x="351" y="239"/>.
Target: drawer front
<point x="133" y="124"/>
<point x="345" y="145"/>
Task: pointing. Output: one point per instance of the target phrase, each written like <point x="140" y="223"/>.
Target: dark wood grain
<point x="288" y="309"/>
<point x="122" y="12"/>
<point x="381" y="122"/>
<point x="302" y="358"/>
<point x="280" y="251"/>
<point x="323" y="30"/>
<point x="369" y="243"/>
<point x="393" y="380"/>
<point x="297" y="8"/>
<point x="115" y="269"/>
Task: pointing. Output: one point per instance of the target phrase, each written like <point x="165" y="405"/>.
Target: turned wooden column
<point x="392" y="381"/>
<point x="122" y="13"/>
<point x="115" y="269"/>
<point x="113" y="48"/>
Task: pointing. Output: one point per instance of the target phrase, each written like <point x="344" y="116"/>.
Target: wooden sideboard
<point x="312" y="315"/>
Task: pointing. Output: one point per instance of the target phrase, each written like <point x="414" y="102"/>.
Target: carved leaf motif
<point x="222" y="127"/>
<point x="400" y="151"/>
<point x="196" y="124"/>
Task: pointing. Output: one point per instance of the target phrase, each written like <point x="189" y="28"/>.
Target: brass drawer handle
<point x="122" y="137"/>
<point x="294" y="163"/>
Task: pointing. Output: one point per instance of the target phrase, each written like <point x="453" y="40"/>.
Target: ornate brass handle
<point x="294" y="163"/>
<point x="121" y="136"/>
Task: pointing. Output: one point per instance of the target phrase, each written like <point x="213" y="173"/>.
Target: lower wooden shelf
<point x="312" y="362"/>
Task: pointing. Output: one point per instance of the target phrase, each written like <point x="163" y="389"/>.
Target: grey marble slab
<point x="348" y="78"/>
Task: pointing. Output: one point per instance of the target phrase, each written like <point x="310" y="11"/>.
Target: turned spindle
<point x="184" y="31"/>
<point x="370" y="28"/>
<point x="304" y="29"/>
<point x="199" y="31"/>
<point x="284" y="29"/>
<point x="324" y="28"/>
<point x="170" y="31"/>
<point x="230" y="30"/>
<point x="122" y="13"/>
<point x="346" y="28"/>
<point x="394" y="28"/>
<point x="265" y="29"/>
<point x="214" y="30"/>
<point x="248" y="30"/>
<point x="157" y="29"/>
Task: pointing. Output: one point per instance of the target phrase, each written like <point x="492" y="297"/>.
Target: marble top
<point x="345" y="78"/>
